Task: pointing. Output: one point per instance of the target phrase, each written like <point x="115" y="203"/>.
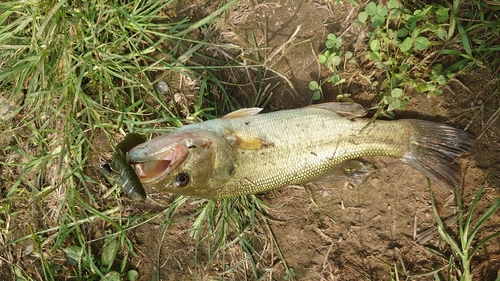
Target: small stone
<point x="162" y="87"/>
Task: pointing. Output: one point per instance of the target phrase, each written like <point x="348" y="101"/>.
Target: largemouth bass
<point x="246" y="153"/>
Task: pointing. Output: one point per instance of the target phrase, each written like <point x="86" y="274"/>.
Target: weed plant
<point x="466" y="245"/>
<point x="463" y="243"/>
<point x="84" y="69"/>
<point x="413" y="44"/>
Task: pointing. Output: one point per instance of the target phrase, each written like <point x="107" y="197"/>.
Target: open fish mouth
<point x="154" y="168"/>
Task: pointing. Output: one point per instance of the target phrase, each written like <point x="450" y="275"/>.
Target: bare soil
<point x="342" y="229"/>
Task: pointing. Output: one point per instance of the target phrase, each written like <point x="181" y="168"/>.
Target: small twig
<point x="396" y="271"/>
<point x="350" y="25"/>
<point x="428" y="234"/>
<point x="280" y="48"/>
<point x="415" y="226"/>
<point x="466" y="110"/>
<point x="313" y="60"/>
<point x="290" y="84"/>
<point x="323" y="235"/>
<point x="463" y="85"/>
<point x="490" y="121"/>
<point x="402" y="263"/>
<point x="327" y="254"/>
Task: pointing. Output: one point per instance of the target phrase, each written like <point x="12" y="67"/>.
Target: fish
<point x="120" y="170"/>
<point x="245" y="152"/>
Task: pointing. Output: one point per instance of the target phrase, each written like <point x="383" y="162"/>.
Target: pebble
<point x="162" y="87"/>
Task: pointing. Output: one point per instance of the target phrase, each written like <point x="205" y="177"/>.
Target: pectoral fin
<point x="344" y="109"/>
<point x="243" y="112"/>
<point x="247" y="142"/>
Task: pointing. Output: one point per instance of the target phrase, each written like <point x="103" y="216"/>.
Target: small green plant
<point x="220" y="224"/>
<point x="466" y="245"/>
<point x="398" y="45"/>
<point x="332" y="58"/>
<point x="409" y="46"/>
<point x="396" y="99"/>
<point x="78" y="262"/>
<point x="398" y="41"/>
<point x="376" y="12"/>
<point x="317" y="91"/>
<point x="477" y="29"/>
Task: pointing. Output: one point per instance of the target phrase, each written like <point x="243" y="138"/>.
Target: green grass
<point x="84" y="70"/>
<point x="466" y="245"/>
<point x="219" y="225"/>
<point x="86" y="75"/>
<point x="463" y="241"/>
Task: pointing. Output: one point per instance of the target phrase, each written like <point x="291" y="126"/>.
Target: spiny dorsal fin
<point x="345" y="109"/>
<point x="243" y="112"/>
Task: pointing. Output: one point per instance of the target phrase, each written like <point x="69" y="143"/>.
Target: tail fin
<point x="434" y="151"/>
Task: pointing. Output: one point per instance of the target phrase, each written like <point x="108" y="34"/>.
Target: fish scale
<point x="304" y="148"/>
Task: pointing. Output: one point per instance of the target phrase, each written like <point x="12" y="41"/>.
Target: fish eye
<point x="181" y="180"/>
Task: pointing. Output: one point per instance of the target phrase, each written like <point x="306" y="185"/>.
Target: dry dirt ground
<point x="344" y="229"/>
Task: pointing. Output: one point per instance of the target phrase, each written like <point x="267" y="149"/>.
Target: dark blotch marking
<point x="266" y="144"/>
<point x="206" y="145"/>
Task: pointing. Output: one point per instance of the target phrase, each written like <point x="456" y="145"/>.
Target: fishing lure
<point x="121" y="171"/>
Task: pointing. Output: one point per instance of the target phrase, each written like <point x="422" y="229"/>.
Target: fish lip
<point x="154" y="160"/>
<point x="153" y="170"/>
<point x="153" y="150"/>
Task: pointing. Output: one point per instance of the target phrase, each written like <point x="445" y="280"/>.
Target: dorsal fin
<point x="345" y="109"/>
<point x="243" y="112"/>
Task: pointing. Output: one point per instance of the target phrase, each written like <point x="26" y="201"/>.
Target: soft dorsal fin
<point x="243" y="112"/>
<point x="345" y="109"/>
